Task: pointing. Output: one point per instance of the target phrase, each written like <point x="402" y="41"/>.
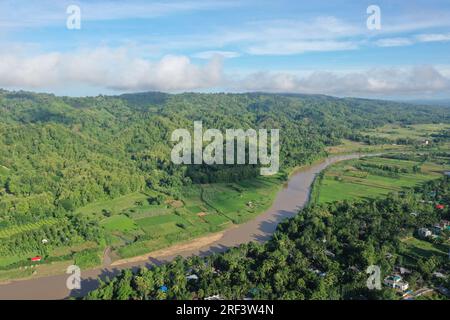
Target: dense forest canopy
<point x="58" y="154"/>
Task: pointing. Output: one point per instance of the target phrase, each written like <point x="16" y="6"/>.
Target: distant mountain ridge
<point x="437" y="102"/>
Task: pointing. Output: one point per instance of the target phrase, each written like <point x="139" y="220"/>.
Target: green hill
<point x="60" y="154"/>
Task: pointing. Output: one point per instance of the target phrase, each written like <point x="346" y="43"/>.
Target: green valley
<point x="79" y="175"/>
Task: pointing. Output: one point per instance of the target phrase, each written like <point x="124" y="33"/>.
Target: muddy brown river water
<point x="289" y="200"/>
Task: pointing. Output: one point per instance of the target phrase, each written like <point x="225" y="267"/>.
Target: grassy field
<point x="6" y="261"/>
<point x="363" y="178"/>
<point x="348" y="146"/>
<point x="393" y="132"/>
<point x="417" y="132"/>
<point x="134" y="226"/>
<point x="416" y="249"/>
<point x="119" y="223"/>
<point x="114" y="206"/>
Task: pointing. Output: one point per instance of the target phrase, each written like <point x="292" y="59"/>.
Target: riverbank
<point x="216" y="208"/>
<point x="287" y="203"/>
<point x="226" y="206"/>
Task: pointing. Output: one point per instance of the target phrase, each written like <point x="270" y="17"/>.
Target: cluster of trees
<point x="375" y="140"/>
<point x="386" y="170"/>
<point x="369" y="139"/>
<point x="322" y="253"/>
<point x="444" y="135"/>
<point x="436" y="156"/>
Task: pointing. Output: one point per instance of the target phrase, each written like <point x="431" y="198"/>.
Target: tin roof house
<point x="396" y="282"/>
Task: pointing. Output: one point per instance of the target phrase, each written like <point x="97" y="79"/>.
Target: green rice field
<point x="372" y="177"/>
<point x="135" y="226"/>
<point x="416" y="132"/>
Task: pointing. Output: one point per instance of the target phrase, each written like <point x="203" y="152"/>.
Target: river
<point x="288" y="202"/>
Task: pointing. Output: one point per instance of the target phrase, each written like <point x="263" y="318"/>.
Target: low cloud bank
<point x="118" y="69"/>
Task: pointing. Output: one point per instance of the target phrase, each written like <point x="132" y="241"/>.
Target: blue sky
<point x="278" y="46"/>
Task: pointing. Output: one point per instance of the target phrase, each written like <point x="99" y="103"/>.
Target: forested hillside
<point x="58" y="154"/>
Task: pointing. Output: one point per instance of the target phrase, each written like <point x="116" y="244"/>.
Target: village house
<point x="402" y="270"/>
<point x="396" y="282"/>
<point x="442" y="225"/>
<point x="318" y="272"/>
<point x="192" y="277"/>
<point x="215" y="297"/>
<point x="424" y="233"/>
<point x="444" y="291"/>
<point x="445" y="223"/>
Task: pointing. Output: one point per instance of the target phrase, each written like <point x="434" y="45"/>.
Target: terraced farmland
<point x="14" y="230"/>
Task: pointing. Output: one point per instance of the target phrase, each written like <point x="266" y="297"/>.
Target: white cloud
<point x="211" y="54"/>
<point x="380" y="81"/>
<point x="111" y="10"/>
<point x="317" y="34"/>
<point x="433" y="37"/>
<point x="262" y="37"/>
<point x="419" y="38"/>
<point x="394" y="42"/>
<point x="320" y="27"/>
<point x="288" y="37"/>
<point x="290" y="47"/>
<point x="107" y="68"/>
<point x="22" y="13"/>
<point x="120" y="70"/>
<point x="144" y="9"/>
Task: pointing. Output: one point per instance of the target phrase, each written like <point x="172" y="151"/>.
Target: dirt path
<point x="106" y="261"/>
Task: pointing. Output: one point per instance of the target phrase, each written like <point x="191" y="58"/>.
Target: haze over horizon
<point x="431" y="101"/>
<point x="227" y="46"/>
